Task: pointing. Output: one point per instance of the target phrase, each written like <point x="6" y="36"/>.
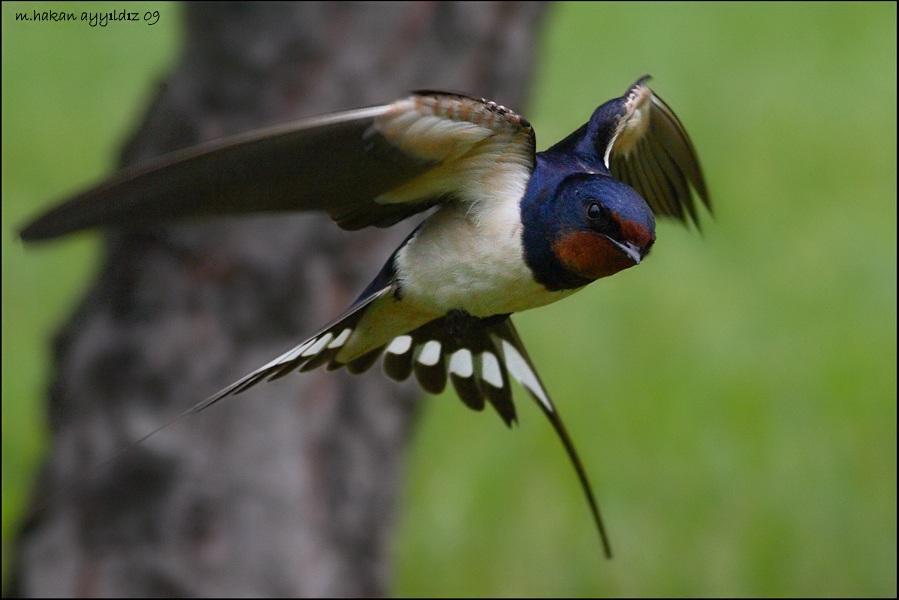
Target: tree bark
<point x="290" y="489"/>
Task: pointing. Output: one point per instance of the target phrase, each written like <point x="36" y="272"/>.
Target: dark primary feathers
<point x="639" y="140"/>
<point x="342" y="164"/>
<point x="380" y="165"/>
<point x="661" y="163"/>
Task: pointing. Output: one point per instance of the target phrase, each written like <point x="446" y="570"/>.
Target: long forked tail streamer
<point x="521" y="368"/>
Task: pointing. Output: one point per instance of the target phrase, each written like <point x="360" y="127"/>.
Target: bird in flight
<point x="512" y="229"/>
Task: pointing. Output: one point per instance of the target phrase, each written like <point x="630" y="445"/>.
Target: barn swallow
<point x="512" y="229"/>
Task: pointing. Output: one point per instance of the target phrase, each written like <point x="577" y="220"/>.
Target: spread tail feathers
<point x="476" y="355"/>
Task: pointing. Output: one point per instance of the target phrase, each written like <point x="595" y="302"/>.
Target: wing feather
<point x="650" y="146"/>
<point x="372" y="166"/>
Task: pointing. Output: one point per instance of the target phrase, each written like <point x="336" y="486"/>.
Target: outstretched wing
<point x="372" y="166"/>
<point x="650" y="151"/>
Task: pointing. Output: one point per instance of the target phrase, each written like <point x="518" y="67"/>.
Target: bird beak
<point x="632" y="251"/>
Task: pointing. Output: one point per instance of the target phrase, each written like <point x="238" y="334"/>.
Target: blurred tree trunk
<point x="290" y="489"/>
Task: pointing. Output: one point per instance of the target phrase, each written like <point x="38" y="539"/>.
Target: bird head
<point x="593" y="226"/>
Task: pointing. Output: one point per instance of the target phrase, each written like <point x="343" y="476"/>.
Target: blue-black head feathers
<point x="588" y="227"/>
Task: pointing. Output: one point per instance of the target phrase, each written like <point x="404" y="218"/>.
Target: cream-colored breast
<point x="470" y="257"/>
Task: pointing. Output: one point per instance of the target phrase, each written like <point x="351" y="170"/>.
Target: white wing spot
<point x="430" y="354"/>
<point x="400" y="345"/>
<point x="491" y="371"/>
<point x="523" y="373"/>
<point x="318" y="345"/>
<point x="341" y="339"/>
<point x="461" y="363"/>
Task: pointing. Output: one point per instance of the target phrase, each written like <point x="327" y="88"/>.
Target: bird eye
<point x="594" y="211"/>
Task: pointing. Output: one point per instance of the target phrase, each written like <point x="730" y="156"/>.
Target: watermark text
<point x="94" y="19"/>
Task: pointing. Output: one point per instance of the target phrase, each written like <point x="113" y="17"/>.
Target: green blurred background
<point x="733" y="398"/>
